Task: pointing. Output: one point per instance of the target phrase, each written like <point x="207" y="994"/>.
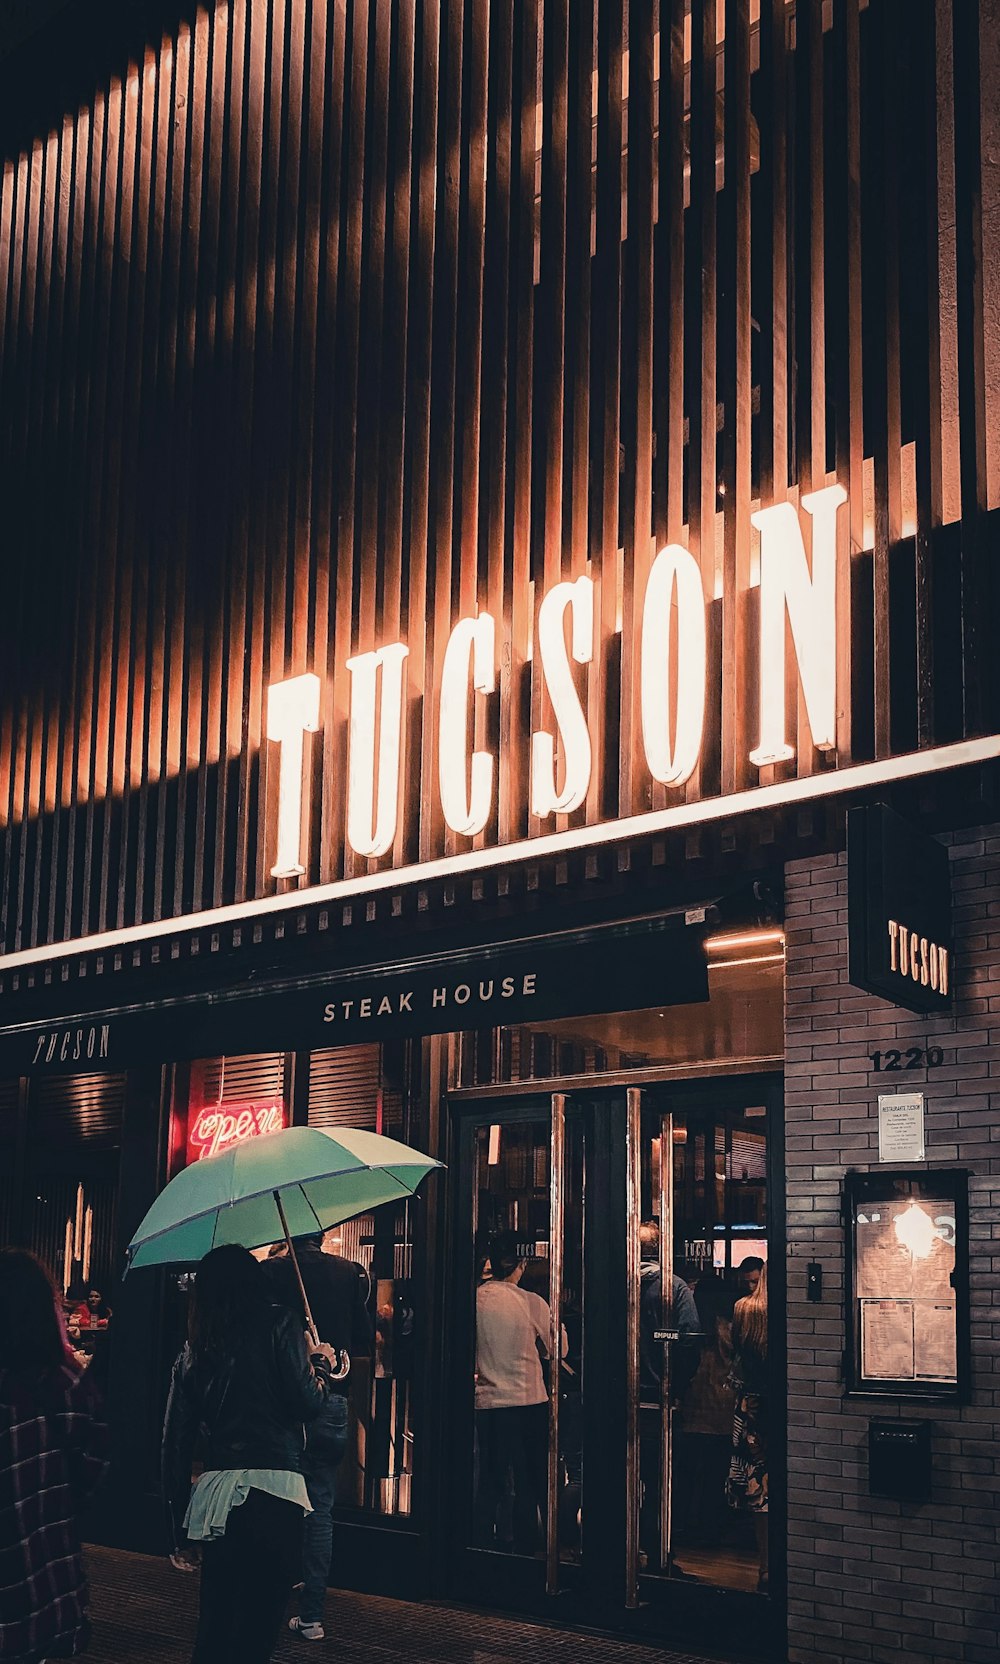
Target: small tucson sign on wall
<point x="899" y="910"/>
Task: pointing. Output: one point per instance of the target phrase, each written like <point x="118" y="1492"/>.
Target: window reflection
<point x="740" y="1023"/>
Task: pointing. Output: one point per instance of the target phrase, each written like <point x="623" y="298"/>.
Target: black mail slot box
<point x="899" y="1459"/>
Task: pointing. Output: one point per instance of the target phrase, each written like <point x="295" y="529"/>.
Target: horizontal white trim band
<point x="857" y="777"/>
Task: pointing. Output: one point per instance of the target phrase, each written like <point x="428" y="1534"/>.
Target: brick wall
<point x="869" y="1578"/>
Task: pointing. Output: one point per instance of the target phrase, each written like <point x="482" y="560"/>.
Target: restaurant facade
<point x="498" y="647"/>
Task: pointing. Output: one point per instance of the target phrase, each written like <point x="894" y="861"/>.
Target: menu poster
<point x="935" y="1351"/>
<point x="903" y="1283"/>
<point x="905" y="1248"/>
<point x="887" y="1340"/>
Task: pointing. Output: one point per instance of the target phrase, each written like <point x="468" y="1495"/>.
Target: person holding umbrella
<point x="242" y="1390"/>
<point x="336" y="1289"/>
<point x="244" y="1381"/>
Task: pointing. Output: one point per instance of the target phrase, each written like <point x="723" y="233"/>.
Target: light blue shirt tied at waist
<point x="218" y="1492"/>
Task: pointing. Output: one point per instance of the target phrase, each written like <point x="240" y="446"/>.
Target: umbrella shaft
<point x="310" y="1325"/>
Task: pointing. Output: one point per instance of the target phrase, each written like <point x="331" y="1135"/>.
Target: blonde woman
<point x="746" y="1488"/>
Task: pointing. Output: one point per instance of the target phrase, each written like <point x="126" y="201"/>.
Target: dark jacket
<point x="249" y="1413"/>
<point x="685" y="1352"/>
<point x="336" y="1288"/>
<point x="53" y="1452"/>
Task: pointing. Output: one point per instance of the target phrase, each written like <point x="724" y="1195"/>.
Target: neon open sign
<point x="217" y="1127"/>
<point x="798" y="603"/>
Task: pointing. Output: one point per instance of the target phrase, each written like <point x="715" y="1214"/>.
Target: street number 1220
<point x="914" y="1057"/>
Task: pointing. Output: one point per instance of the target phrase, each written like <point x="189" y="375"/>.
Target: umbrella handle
<point x="310" y="1325"/>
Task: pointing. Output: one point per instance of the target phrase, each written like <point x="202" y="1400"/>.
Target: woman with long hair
<point x="53" y="1445"/>
<point x="241" y="1391"/>
<point x="746" y="1488"/>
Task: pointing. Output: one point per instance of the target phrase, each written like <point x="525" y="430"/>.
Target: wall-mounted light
<point x="916" y="1231"/>
<point x="730" y="940"/>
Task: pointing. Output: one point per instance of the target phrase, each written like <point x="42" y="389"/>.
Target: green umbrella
<point x="283" y="1184"/>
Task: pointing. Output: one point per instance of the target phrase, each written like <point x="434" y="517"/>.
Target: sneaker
<point x="308" y="1631"/>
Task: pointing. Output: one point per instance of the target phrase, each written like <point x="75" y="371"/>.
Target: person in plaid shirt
<point x="52" y="1455"/>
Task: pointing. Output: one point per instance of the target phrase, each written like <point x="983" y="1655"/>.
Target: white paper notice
<point x="901" y="1126"/>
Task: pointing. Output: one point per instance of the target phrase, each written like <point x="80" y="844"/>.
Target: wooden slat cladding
<point x="324" y="325"/>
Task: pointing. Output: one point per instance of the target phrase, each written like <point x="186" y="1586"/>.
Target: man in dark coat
<point x="337" y="1289"/>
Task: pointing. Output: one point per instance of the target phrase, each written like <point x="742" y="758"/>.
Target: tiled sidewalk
<point x="144" y="1613"/>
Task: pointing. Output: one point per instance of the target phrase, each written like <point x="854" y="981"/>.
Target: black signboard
<point x="658" y="961"/>
<point x="899" y="910"/>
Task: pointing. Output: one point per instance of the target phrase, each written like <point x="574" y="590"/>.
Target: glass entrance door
<point x="705" y="1329"/>
<point x="523" y="1214"/>
<point x="603" y="1242"/>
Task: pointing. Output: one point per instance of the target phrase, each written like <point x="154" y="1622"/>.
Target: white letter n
<point x="811" y="603"/>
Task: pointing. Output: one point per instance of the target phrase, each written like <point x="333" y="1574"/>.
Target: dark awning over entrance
<point x="605" y="967"/>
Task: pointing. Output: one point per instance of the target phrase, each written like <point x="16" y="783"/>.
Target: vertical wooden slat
<point x="61" y="738"/>
<point x="148" y="736"/>
<point x="878" y="173"/>
<point x="134" y="215"/>
<point x="8" y="237"/>
<point x="369" y="564"/>
<point x="604" y="680"/>
<point x="440" y="572"/>
<point x="637" y="306"/>
<point x="514" y="709"/>
<point x="187" y="647"/>
<point x="923" y="266"/>
<point x="249" y="530"/>
<point x="47" y="331"/>
<point x="165" y="500"/>
<point x="232" y="533"/>
<point x="500" y="155"/>
<point x="977" y="644"/>
<point x="579" y="218"/>
<point x="468" y="400"/>
<point x="33" y="306"/>
<point x="213" y="492"/>
<point x="348" y="354"/>
<point x="735" y="394"/>
<point x="845" y="325"/>
<point x="94" y="735"/>
<point x="395" y="404"/>
<point x="550" y="316"/>
<point x="669" y="277"/>
<point x="700" y="357"/>
<point x="418" y="426"/>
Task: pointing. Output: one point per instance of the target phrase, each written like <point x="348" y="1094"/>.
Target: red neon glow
<point x="218" y="1127"/>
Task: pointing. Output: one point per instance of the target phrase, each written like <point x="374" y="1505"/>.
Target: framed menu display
<point x="907" y="1283"/>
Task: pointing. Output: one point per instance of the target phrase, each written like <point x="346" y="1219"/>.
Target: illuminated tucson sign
<point x="798" y="603"/>
<point x="789" y="704"/>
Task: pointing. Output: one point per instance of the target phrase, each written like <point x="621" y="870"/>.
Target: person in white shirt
<point x="512" y="1333"/>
